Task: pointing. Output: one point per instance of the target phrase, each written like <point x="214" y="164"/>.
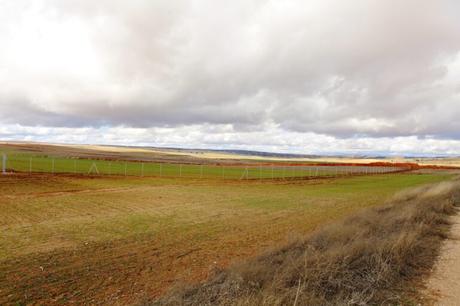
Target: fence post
<point x="180" y="170"/>
<point x="142" y="169"/>
<point x="244" y="173"/>
<point x="52" y="166"/>
<point x="201" y="171"/>
<point x="93" y="168"/>
<point x="161" y="169"/>
<point x="75" y="166"/>
<point x="126" y="166"/>
<point x="110" y="168"/>
<point x="3" y="163"/>
<point x="30" y="165"/>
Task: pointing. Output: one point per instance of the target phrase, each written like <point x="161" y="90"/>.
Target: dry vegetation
<point x="369" y="258"/>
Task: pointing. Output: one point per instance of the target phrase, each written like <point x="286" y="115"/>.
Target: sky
<point x="312" y="77"/>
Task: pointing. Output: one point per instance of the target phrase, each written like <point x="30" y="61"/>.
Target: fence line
<point x="54" y="165"/>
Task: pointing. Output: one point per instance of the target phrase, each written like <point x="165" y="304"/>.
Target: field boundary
<point x="28" y="163"/>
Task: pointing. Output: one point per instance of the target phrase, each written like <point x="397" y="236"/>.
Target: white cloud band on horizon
<point x="224" y="137"/>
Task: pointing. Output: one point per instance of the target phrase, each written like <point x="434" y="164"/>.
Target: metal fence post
<point x="245" y="173"/>
<point x="4" y="163"/>
<point x="30" y="165"/>
<point x="142" y="169"/>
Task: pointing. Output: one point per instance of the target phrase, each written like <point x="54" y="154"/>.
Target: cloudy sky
<point x="316" y="76"/>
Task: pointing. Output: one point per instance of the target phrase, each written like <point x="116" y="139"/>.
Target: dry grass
<point x="370" y="258"/>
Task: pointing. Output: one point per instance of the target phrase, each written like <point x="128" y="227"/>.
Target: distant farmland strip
<point x="70" y="165"/>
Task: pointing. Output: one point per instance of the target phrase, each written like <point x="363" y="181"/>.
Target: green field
<point x="111" y="237"/>
<point x="35" y="163"/>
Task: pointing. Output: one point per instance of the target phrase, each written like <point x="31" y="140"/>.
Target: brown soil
<point x="124" y="272"/>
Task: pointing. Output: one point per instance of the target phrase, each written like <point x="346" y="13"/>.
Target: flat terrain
<point x="119" y="240"/>
<point x="54" y="159"/>
<point x="199" y="156"/>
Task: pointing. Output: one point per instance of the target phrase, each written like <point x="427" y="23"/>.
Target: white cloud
<point x="364" y="74"/>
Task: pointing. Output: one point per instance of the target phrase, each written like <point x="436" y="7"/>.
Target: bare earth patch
<point x="444" y="284"/>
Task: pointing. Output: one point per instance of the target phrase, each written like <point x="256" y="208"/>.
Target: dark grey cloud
<point x="367" y="68"/>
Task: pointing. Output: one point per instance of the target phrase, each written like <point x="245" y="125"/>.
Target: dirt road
<point x="444" y="283"/>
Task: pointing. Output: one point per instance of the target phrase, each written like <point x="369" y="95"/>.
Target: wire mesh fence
<point x="71" y="165"/>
